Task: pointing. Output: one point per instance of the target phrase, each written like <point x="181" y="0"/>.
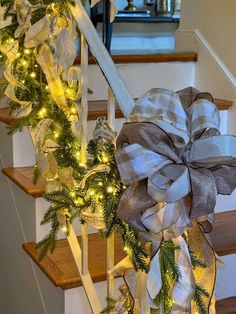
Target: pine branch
<point x="199" y="294"/>
<point x="196" y="262"/>
<point x="170" y="274"/>
<point x="133" y="246"/>
<point x="109" y="309"/>
<point x="48" y="243"/>
<point x="167" y="255"/>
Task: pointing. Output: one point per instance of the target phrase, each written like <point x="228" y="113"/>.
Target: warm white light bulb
<point x="110" y="189"/>
<point x="27" y="51"/>
<point x="24" y="62"/>
<point x="73" y="110"/>
<point x="33" y="74"/>
<point x="42" y="112"/>
<point x="72" y="194"/>
<point x="105" y="159"/>
<point x="56" y="134"/>
<point x="64" y="229"/>
<point x="91" y="192"/>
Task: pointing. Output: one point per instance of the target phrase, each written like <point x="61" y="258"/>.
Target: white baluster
<point x="85" y="277"/>
<point x="83" y="119"/>
<point x="111" y="241"/>
<point x="80" y="254"/>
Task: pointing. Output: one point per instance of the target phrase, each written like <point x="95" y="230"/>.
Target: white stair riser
<point x="76" y="301"/>
<point x="225" y="282"/>
<point x="141" y="77"/>
<point x="23" y="149"/>
<point x="41" y="206"/>
<point x="6" y="147"/>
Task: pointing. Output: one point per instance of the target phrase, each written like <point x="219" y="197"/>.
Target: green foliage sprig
<point x="170" y="274"/>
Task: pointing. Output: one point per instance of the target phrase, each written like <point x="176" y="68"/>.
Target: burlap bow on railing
<point x="168" y="152"/>
<point x="175" y="162"/>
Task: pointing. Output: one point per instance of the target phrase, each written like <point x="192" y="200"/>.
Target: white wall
<point x="208" y="27"/>
<point x="216" y="20"/>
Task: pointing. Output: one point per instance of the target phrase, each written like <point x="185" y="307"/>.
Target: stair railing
<point x="116" y="90"/>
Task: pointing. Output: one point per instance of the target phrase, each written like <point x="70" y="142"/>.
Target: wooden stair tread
<point x="223" y="104"/>
<point x="23" y="177"/>
<point x="61" y="269"/>
<point x="226" y="306"/>
<point x="98" y="108"/>
<point x="223" y="236"/>
<point x="60" y="266"/>
<point x="93" y="114"/>
<point x="5" y="116"/>
<point x="167" y="56"/>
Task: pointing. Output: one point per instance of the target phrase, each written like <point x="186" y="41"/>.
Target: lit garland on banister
<point x="54" y="127"/>
<point x="44" y="88"/>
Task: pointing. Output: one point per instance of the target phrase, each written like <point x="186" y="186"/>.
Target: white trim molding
<point x="200" y="37"/>
<point x="193" y="39"/>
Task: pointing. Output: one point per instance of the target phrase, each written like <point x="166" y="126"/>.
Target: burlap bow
<point x="173" y="154"/>
<point x="175" y="162"/>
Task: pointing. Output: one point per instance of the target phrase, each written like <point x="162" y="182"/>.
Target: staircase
<point x="53" y="285"/>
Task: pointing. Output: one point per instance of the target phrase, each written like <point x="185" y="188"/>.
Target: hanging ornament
<point x="103" y="134"/>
